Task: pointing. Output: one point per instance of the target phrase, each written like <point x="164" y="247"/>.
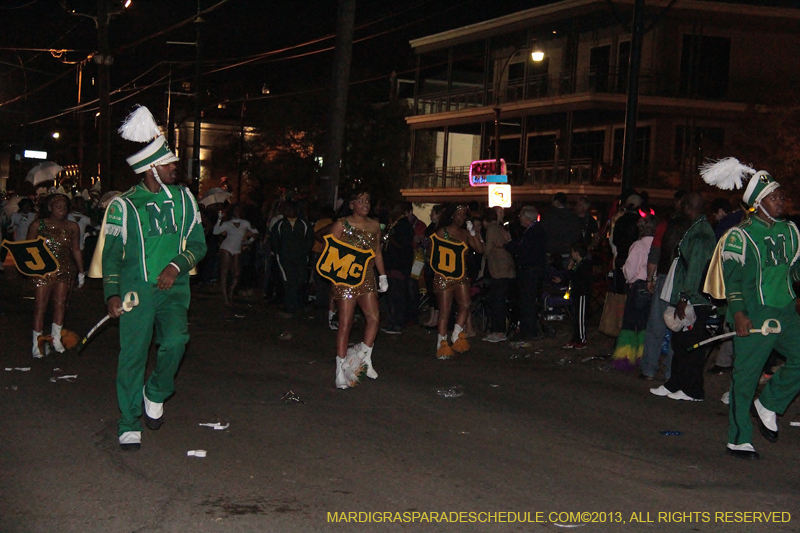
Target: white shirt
<point x="235" y="229"/>
<point x="21" y="222"/>
<point x="83" y="222"/>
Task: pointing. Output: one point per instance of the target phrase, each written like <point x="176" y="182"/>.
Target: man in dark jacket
<point x="530" y="252"/>
<point x="694" y="252"/>
<point x="398" y="257"/>
<point x="292" y="238"/>
<point x="562" y="228"/>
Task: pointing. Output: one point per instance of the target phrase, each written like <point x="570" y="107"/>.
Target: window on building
<point x="641" y="152"/>
<point x="705" y="66"/>
<point x="539" y="78"/>
<point x="599" y="61"/>
<point x="541" y="148"/>
<point x="623" y="64"/>
<point x="701" y="142"/>
<point x="588" y="145"/>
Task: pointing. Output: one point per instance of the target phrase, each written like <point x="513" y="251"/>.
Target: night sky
<point x="34" y="85"/>
<point x="37" y="90"/>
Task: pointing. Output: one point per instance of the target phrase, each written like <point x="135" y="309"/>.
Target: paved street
<point x="535" y="431"/>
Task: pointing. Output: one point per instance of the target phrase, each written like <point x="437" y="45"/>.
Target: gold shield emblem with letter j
<point x="447" y="258"/>
<point x="33" y="258"/>
<point x="343" y="264"/>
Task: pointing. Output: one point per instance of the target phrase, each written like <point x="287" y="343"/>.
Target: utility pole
<point x="104" y="60"/>
<point x="342" y="55"/>
<point x="198" y="115"/>
<point x="241" y="150"/>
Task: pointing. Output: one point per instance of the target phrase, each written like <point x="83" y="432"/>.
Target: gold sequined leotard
<point x="441" y="283"/>
<point x="365" y="240"/>
<point x="59" y="241"/>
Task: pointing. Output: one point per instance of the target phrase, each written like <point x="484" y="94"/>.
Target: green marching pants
<point x="165" y="313"/>
<point x="751" y="354"/>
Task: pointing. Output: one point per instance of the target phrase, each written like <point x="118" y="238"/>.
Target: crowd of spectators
<point x="533" y="267"/>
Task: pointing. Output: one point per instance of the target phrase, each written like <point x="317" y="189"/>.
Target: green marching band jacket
<point x="145" y="232"/>
<point x="737" y="270"/>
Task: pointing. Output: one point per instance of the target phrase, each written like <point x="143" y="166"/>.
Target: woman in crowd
<point x="359" y="231"/>
<point x="451" y="228"/>
<point x="22" y="220"/>
<point x="433" y="311"/>
<point x="62" y="237"/>
<point x="236" y="231"/>
<point x="630" y="343"/>
<point x="78" y="215"/>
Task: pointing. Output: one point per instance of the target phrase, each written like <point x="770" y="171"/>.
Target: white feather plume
<point x="727" y="174"/>
<point x="140" y="126"/>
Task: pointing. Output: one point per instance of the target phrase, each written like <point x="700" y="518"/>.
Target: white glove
<point x="470" y="228"/>
<point x="219" y="215"/>
<point x="383" y="284"/>
<point x="81" y="279"/>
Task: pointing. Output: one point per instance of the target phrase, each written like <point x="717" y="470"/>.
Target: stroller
<point x="556" y="305"/>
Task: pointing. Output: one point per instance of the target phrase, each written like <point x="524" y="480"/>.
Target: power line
<point x="169" y="29"/>
<point x="249" y="60"/>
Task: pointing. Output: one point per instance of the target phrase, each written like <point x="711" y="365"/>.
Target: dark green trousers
<point x="751" y="355"/>
<point x="162" y="313"/>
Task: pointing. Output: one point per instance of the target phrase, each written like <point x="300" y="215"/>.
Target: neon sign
<point x="481" y="171"/>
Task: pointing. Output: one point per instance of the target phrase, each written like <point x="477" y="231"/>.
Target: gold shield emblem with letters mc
<point x="342" y="263"/>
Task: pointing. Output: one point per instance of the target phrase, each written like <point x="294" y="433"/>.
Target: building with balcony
<point x="706" y="66"/>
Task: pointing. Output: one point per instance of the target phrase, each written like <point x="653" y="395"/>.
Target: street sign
<point x="499" y="195"/>
<point x="479" y="171"/>
<point x="34" y="154"/>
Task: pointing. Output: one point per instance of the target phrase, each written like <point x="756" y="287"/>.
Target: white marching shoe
<point x="37" y="354"/>
<point x="365" y="353"/>
<point x="55" y="332"/>
<point x="130" y="441"/>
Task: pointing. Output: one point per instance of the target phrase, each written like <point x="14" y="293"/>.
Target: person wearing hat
<point x="153" y="238"/>
<point x="754" y="267"/>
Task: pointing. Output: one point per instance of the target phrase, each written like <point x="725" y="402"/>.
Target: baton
<point x="765" y="330"/>
<point x="130" y="301"/>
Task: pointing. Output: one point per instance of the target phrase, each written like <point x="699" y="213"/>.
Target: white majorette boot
<point x="365" y="352"/>
<point x="460" y="343"/>
<point x="55" y="332"/>
<point x="37" y="354"/>
<point x="345" y="378"/>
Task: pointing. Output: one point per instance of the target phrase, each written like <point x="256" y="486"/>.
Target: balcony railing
<point x="451" y="177"/>
<point x="582" y="171"/>
<point x="588" y="81"/>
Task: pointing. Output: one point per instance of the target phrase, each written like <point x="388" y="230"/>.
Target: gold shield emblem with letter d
<point x="343" y="264"/>
<point x="447" y="258"/>
<point x="33" y="258"/>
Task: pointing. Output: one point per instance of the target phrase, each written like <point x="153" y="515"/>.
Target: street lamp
<point x="537" y="55"/>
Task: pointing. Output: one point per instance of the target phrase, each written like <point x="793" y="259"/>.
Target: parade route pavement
<point x="497" y="439"/>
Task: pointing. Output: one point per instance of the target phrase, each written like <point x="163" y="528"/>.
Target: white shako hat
<point x="729" y="173"/>
<point x="140" y="126"/>
<point x="760" y="185"/>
